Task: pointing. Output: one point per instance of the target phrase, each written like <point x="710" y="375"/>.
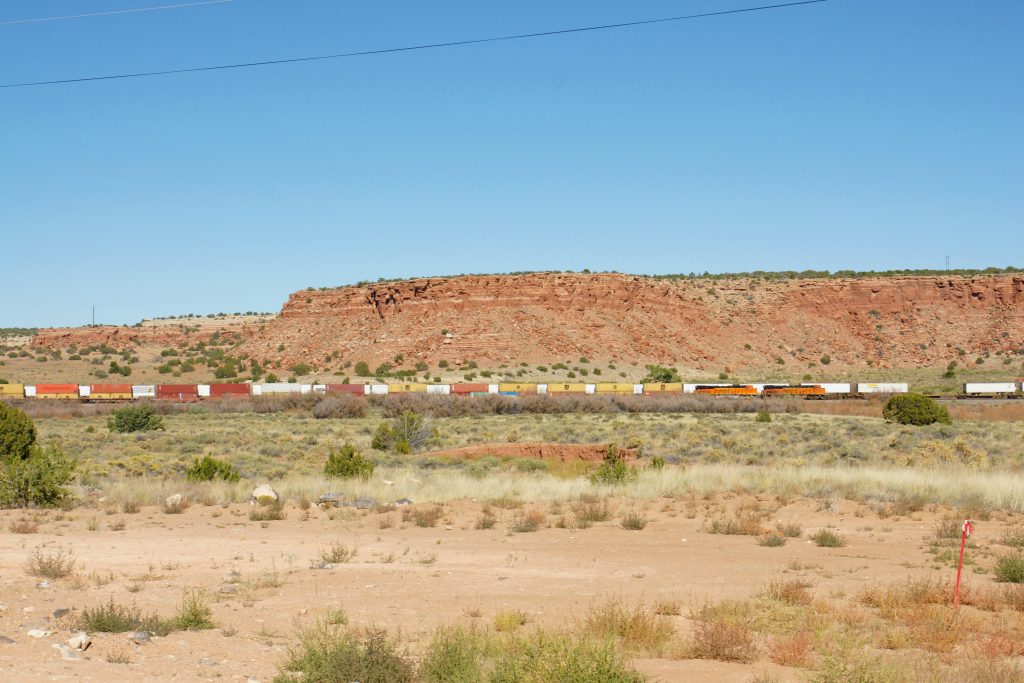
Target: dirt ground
<point x="410" y="579"/>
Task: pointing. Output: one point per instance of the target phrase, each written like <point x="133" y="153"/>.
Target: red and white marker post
<point x="965" y="533"/>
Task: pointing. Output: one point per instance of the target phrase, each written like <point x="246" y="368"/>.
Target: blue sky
<point x="863" y="134"/>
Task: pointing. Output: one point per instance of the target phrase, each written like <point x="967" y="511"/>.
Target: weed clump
<point x="135" y="419"/>
<point x="209" y="469"/>
<point x="614" y="470"/>
<point x="348" y="463"/>
<point x="325" y="653"/>
<point x="1010" y="568"/>
<point x="915" y="409"/>
<point x="54" y="565"/>
<point x="829" y="539"/>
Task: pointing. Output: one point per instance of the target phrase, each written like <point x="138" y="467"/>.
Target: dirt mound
<point x="706" y="324"/>
<point x="565" y="452"/>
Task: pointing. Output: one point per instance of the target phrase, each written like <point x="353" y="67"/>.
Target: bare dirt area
<point x="417" y="568"/>
<point x="576" y="452"/>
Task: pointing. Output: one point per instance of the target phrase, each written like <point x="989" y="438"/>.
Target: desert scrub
<point x="193" y="614"/>
<point x="268" y="513"/>
<point x="634" y="521"/>
<point x="135" y="419"/>
<point x="1010" y="568"/>
<point x="326" y="653"/>
<point x="915" y="409"/>
<point x="55" y="564"/>
<point x="826" y="538"/>
<point x="637" y="628"/>
<point x="348" y="463"/>
<point x="721" y="634"/>
<point x="614" y="471"/>
<point x="209" y="469"/>
<point x="510" y="620"/>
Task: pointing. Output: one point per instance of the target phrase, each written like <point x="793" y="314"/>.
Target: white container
<point x="590" y="388"/>
<point x="30" y="391"/>
<point x="883" y="388"/>
<point x="257" y="389"/>
<point x="541" y="388"/>
<point x="990" y="388"/>
<point x="831" y="387"/>
<point x="84" y="390"/>
<point x="492" y="388"/>
<point x="143" y="391"/>
<point x="305" y="388"/>
<point x="378" y="389"/>
<point x="691" y="388"/>
<point x="319" y="388"/>
<point x="279" y="388"/>
<point x="439" y="389"/>
<point x="204" y="390"/>
<point x="638" y="389"/>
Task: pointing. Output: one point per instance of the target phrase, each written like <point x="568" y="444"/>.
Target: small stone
<point x="320" y="564"/>
<point x="402" y="501"/>
<point x="388" y="482"/>
<point x="140" y="637"/>
<point x="58" y="613"/>
<point x="43" y="584"/>
<point x="229" y="589"/>
<point x="233" y="577"/>
<point x="3" y="606"/>
<point x="364" y="504"/>
<point x="6" y="641"/>
<point x="38" y="633"/>
<point x="66" y="652"/>
<point x="207" y="661"/>
<point x="264" y="494"/>
<point x="27" y="610"/>
<point x="80" y="641"/>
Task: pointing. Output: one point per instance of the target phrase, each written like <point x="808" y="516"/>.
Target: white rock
<point x="263" y="494"/>
<point x="38" y="633"/>
<point x="80" y="641"/>
<point x="66" y="652"/>
<point x="173" y="501"/>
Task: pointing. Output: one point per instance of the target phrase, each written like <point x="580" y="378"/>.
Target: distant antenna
<point x="947" y="264"/>
<point x="94" y="305"/>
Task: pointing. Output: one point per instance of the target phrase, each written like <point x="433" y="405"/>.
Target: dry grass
<point x="721" y="635"/>
<point x="638" y="628"/>
<point x="510" y="620"/>
<point x="23" y="525"/>
<point x="528" y="521"/>
<point x="789" y="591"/>
<point x="55" y="564"/>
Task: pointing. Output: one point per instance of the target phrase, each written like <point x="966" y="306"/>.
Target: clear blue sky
<point x="863" y="134"/>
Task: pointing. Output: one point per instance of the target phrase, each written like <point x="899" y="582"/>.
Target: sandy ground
<point x="410" y="579"/>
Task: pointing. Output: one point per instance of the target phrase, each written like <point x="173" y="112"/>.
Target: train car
<point x="177" y="392"/>
<point x="378" y="389"/>
<point x="833" y="388"/>
<point x="218" y="391"/>
<point x="991" y="389"/>
<point x="278" y="388"/>
<point x="63" y="392"/>
<point x="516" y="389"/>
<point x="143" y="391"/>
<point x="692" y="388"/>
<point x="615" y="388"/>
<point x="12" y="391"/>
<point x="410" y="388"/>
<point x="663" y="388"/>
<point x="352" y="389"/>
<point x="439" y="389"/>
<point x="812" y="390"/>
<point x="469" y="388"/>
<point x="571" y="388"/>
<point x="882" y="387"/>
<point x="732" y="390"/>
<point x="110" y="392"/>
<point x="761" y="386"/>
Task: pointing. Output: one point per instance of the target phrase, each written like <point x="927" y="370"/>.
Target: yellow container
<point x="676" y="387"/>
<point x="407" y="388"/>
<point x="567" y="388"/>
<point x="117" y="396"/>
<point x="518" y="388"/>
<point x="612" y="388"/>
<point x="12" y="390"/>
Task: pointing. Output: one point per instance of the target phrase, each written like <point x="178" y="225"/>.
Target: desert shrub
<point x="268" y="513"/>
<point x="423" y="517"/>
<point x="638" y="628"/>
<point x="348" y="463"/>
<point x="771" y="540"/>
<point x="1010" y="568"/>
<point x="763" y="416"/>
<point x="542" y="657"/>
<point x="326" y="654"/>
<point x="17" y="432"/>
<point x="634" y="521"/>
<point x="827" y="538"/>
<point x="301" y="369"/>
<point x="135" y="419"/>
<point x="614" y="470"/>
<point x="657" y="374"/>
<point x="789" y="529"/>
<point x="340" y="407"/>
<point x="209" y="469"/>
<point x="722" y="636"/>
<point x="915" y="409"/>
<point x="194" y="614"/>
<point x="50" y="565"/>
<point x="38" y="479"/>
<point x="362" y="369"/>
<point x="790" y="591"/>
<point x="590" y="509"/>
<point x="528" y="522"/>
<point x="406" y="433"/>
<point x="747" y="523"/>
<point x="510" y="620"/>
<point x="338" y="553"/>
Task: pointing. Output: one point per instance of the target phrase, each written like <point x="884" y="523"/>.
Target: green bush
<point x="614" y="470"/>
<point x="209" y="469"/>
<point x="17" y="432"/>
<point x="1010" y="569"/>
<point x="828" y="539"/>
<point x="301" y="369"/>
<point x="404" y="434"/>
<point x="38" y="479"/>
<point x="326" y="654"/>
<point x="348" y="463"/>
<point x="135" y="419"/>
<point x="362" y="369"/>
<point x="915" y="409"/>
<point x="657" y="374"/>
<point x="763" y="416"/>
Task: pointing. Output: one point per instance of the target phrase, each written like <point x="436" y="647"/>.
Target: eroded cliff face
<point x="891" y="321"/>
<point x="551" y="317"/>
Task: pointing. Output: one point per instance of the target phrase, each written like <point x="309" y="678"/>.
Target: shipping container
<point x="518" y="389"/>
<point x="612" y="388"/>
<point x="590" y="388"/>
<point x="84" y="390"/>
<point x="110" y="392"/>
<point x="30" y="391"/>
<point x="319" y="388"/>
<point x="542" y="388"/>
<point x="573" y="388"/>
<point x="354" y="389"/>
<point x="177" y="392"/>
<point x="987" y="388"/>
<point x="57" y="391"/>
<point x="411" y="388"/>
<point x="813" y="390"/>
<point x="204" y="390"/>
<point x="669" y="388"/>
<point x="831" y="387"/>
<point x="230" y="391"/>
<point x="144" y="391"/>
<point x="493" y="388"/>
<point x="12" y="391"/>
<point x="466" y="388"/>
<point x="444" y="389"/>
<point x="882" y="388"/>
<point x="379" y="389"/>
<point x="282" y="388"/>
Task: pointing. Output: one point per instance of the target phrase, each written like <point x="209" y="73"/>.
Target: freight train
<point x="186" y="393"/>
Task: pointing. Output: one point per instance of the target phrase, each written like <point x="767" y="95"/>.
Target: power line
<point x="116" y="11"/>
<point x="411" y="48"/>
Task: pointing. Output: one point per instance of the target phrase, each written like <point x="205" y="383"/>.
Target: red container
<point x="357" y="389"/>
<point x="55" y="389"/>
<point x="464" y="389"/>
<point x="111" y="389"/>
<point x="177" y="392"/>
<point x="229" y="390"/>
